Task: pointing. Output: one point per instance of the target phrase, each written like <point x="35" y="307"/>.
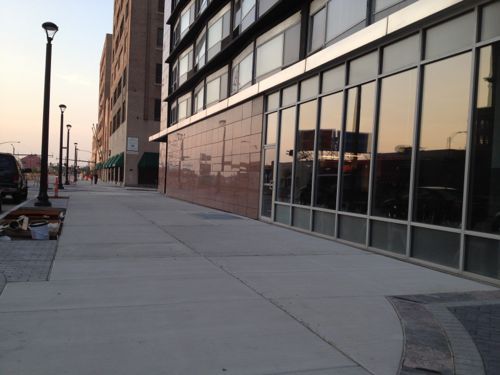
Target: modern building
<point x="371" y="122"/>
<point x="135" y="93"/>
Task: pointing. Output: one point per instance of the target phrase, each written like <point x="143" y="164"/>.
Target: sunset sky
<point x="75" y="70"/>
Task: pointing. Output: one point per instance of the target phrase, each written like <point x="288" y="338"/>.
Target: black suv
<point x="12" y="179"/>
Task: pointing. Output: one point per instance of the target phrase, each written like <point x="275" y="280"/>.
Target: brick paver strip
<point x="483" y="324"/>
<point x="468" y="324"/>
<point x="27" y="260"/>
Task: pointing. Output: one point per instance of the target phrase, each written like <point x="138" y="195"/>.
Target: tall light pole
<point x="75" y="165"/>
<point x="60" y="185"/>
<point x="67" y="155"/>
<point x="43" y="198"/>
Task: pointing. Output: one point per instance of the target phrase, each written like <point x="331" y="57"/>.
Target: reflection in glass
<point x="268" y="181"/>
<point x="357" y="148"/>
<point x="443" y="139"/>
<point x="304" y="154"/>
<point x="394" y="145"/>
<point x="285" y="158"/>
<point x="289" y="96"/>
<point x="436" y="246"/>
<point x="272" y="126"/>
<point x="309" y="88"/>
<point x="484" y="198"/>
<point x="328" y="150"/>
<point x="450" y="36"/>
<point x="490" y="26"/>
<point x="482" y="256"/>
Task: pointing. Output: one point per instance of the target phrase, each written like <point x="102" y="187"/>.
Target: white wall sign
<point x="133" y="144"/>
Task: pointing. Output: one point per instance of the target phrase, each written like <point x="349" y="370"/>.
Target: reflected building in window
<point x="371" y="122"/>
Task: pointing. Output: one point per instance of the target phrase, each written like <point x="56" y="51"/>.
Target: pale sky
<point x="76" y="54"/>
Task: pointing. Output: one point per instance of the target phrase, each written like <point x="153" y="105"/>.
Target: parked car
<point x="12" y="179"/>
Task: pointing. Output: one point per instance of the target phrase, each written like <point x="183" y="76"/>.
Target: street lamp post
<point x="60" y="185"/>
<point x="67" y="155"/>
<point x="43" y="198"/>
<point x="75" y="165"/>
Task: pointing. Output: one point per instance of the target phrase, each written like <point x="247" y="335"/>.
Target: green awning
<point x="117" y="161"/>
<point x="149" y="160"/>
<point x="98" y="166"/>
<point x="106" y="163"/>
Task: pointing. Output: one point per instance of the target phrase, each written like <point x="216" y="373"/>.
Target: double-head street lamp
<point x="60" y="185"/>
<point x="67" y="155"/>
<point x="43" y="198"/>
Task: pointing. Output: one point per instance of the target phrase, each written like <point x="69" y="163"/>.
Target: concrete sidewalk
<point x="143" y="284"/>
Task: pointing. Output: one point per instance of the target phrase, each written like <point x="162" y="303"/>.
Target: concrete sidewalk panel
<point x="66" y="269"/>
<point x="237" y="337"/>
<point x="123" y="250"/>
<point x="101" y="234"/>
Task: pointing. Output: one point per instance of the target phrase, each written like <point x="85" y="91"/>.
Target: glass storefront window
<point x="268" y="181"/>
<point x="304" y="153"/>
<point x="309" y="88"/>
<point x="490" y="26"/>
<point x="273" y="101"/>
<point x="357" y="148"/>
<point x="324" y="223"/>
<point x="333" y="79"/>
<point x="328" y="151"/>
<point x="388" y="236"/>
<point x="482" y="256"/>
<point x="343" y="15"/>
<point x="282" y="214"/>
<point x="443" y="139"/>
<point x="289" y="96"/>
<point x="484" y="195"/>
<point x="436" y="246"/>
<point x="450" y="36"/>
<point x="401" y="54"/>
<point x="272" y="128"/>
<point x="301" y="218"/>
<point x="391" y="181"/>
<point x="285" y="157"/>
<point x="363" y="68"/>
<point x="352" y="229"/>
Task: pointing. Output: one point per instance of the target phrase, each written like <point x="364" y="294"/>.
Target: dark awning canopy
<point x="149" y="160"/>
<point x="117" y="161"/>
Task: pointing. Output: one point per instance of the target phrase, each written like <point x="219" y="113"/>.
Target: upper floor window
<point x="265" y="5"/>
<point x="185" y="65"/>
<point x="278" y="47"/>
<point x="244" y="14"/>
<point x="217" y="86"/>
<point x="242" y="72"/>
<point x="161" y="6"/>
<point x="183" y="23"/>
<point x="199" y="97"/>
<point x="201" y="5"/>
<point x="159" y="37"/>
<point x="342" y="16"/>
<point x="218" y="30"/>
<point x="200" y="50"/>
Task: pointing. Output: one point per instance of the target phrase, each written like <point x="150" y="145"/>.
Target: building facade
<point x="100" y="140"/>
<point x="135" y="93"/>
<point x="371" y="122"/>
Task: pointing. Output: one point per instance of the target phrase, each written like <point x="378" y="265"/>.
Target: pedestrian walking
<point x="96" y="177"/>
